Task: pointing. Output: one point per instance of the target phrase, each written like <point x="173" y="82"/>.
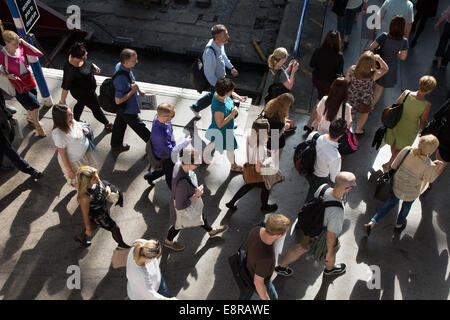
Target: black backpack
<point x="106" y="99"/>
<point x="305" y="155"/>
<point x="276" y="89"/>
<point x="197" y="74"/>
<point x="238" y="266"/>
<point x="310" y="217"/>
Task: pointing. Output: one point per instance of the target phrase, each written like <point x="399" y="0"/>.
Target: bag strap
<point x="343" y="110"/>
<point x="406" y="97"/>
<point x="322" y="191"/>
<point x="6" y="60"/>
<point x="332" y="203"/>
<point x="122" y="72"/>
<point x="315" y="137"/>
<point x="401" y="162"/>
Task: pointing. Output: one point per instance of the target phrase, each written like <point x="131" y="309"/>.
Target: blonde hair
<point x="277" y="55"/>
<point x="277" y="224"/>
<point x="366" y="66"/>
<point x="427" y="145"/>
<point x="9" y="36"/>
<point x="427" y="83"/>
<point x="165" y="108"/>
<point x="279" y="107"/>
<point x="84" y="176"/>
<point x="148" y="249"/>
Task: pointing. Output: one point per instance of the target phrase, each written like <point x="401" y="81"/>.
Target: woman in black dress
<point x="80" y="81"/>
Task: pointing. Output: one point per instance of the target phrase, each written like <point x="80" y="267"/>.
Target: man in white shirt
<point x="328" y="158"/>
<point x="390" y="8"/>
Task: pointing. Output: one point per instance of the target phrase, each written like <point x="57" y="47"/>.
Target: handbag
<point x="276" y="88"/>
<point x="383" y="189"/>
<point x="250" y="174"/>
<point x="347" y="143"/>
<point x="339" y="7"/>
<point x="23" y="82"/>
<point x="154" y="162"/>
<point x="190" y="217"/>
<point x="119" y="258"/>
<point x="273" y="179"/>
<point x="392" y="114"/>
<point x="238" y="265"/>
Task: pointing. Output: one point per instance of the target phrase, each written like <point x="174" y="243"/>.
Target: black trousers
<point x="247" y="187"/>
<point x="314" y="183"/>
<point x="120" y="125"/>
<point x="420" y="19"/>
<point x="15" y="158"/>
<point x="90" y="101"/>
<point x="167" y="170"/>
<point x="442" y="50"/>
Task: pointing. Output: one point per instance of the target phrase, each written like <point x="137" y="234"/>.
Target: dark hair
<point x="333" y="40"/>
<point x="59" y="115"/>
<point x="217" y="29"/>
<point x="77" y="50"/>
<point x="127" y="54"/>
<point x="337" y="128"/>
<point x="258" y="125"/>
<point x="397" y="27"/>
<point x="224" y="85"/>
<point x="337" y="96"/>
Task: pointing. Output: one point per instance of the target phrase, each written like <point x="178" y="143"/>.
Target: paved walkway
<point x="40" y="219"/>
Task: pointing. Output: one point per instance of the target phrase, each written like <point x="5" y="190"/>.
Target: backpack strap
<point x="333" y="203"/>
<point x="123" y="72"/>
<point x="315" y="137"/>
<point x="322" y="191"/>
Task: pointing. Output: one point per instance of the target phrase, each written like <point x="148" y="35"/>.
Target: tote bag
<point x="191" y="216"/>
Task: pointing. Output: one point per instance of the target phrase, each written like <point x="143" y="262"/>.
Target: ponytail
<point x="149" y="249"/>
<point x="137" y="251"/>
<point x="271" y="61"/>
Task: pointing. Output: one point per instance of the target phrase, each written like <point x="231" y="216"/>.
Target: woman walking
<point x="393" y="46"/>
<point x="256" y="155"/>
<point x="144" y="279"/>
<point x="411" y="179"/>
<point x="327" y="63"/>
<point x="361" y="79"/>
<point x="277" y="113"/>
<point x="414" y="117"/>
<point x="13" y="59"/>
<point x="186" y="195"/>
<point x="92" y="196"/>
<point x="79" y="79"/>
<point x="71" y="141"/>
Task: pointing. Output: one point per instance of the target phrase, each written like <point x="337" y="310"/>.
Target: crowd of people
<point x="343" y="100"/>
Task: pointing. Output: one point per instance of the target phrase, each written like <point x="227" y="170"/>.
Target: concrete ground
<point x="39" y="219"/>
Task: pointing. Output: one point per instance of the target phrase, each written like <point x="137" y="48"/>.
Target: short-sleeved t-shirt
<point x="122" y="86"/>
<point x="324" y="125"/>
<point x="333" y="218"/>
<point x="76" y="143"/>
<point x="279" y="75"/>
<point x="79" y="80"/>
<point x="260" y="256"/>
<point x="396" y="7"/>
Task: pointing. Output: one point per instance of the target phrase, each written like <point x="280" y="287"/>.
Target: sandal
<point x="175" y="246"/>
<point x="85" y="243"/>
<point x="236" y="168"/>
<point x="360" y="134"/>
<point x="109" y="127"/>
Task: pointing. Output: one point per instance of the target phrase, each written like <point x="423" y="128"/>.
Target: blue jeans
<point x="246" y="295"/>
<point x="28" y="99"/>
<point x="345" y="23"/>
<point x="163" y="290"/>
<point x="391" y="203"/>
<point x="204" y="101"/>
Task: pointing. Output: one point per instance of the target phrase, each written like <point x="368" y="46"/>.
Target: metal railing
<point x="300" y="29"/>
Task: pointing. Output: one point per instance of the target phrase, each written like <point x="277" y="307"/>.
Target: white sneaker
<point x="196" y="113"/>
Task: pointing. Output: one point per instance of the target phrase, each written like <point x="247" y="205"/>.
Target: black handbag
<point x="238" y="265"/>
<point x="339" y="7"/>
<point x="383" y="189"/>
<point x="392" y="114"/>
<point x="276" y="88"/>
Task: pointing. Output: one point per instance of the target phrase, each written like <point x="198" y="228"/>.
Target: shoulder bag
<point x="190" y="217"/>
<point x="392" y="114"/>
<point x="23" y="82"/>
<point x="238" y="265"/>
<point x="249" y="172"/>
<point x="347" y="143"/>
<point x="383" y="189"/>
<point x="276" y="88"/>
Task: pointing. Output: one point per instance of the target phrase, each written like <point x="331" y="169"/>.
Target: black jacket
<point x="6" y="129"/>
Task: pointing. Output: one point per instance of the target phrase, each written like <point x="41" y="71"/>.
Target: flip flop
<point x="236" y="169"/>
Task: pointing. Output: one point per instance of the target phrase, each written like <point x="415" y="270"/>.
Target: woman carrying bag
<point x="13" y="59"/>
<point x="414" y="172"/>
<point x="186" y="205"/>
<point x="256" y="156"/>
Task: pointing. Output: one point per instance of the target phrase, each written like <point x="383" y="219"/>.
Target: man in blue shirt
<point x="163" y="143"/>
<point x="126" y="97"/>
<point x="215" y="61"/>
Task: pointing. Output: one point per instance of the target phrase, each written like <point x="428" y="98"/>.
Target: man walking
<point x="328" y="158"/>
<point x="215" y="61"/>
<point x="126" y="98"/>
<point x="333" y="222"/>
<point x="261" y="256"/>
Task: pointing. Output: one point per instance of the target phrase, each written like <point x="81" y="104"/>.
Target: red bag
<point x="24" y="82"/>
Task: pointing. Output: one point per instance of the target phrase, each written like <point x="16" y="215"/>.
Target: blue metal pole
<point x="300" y="29"/>
<point x="36" y="66"/>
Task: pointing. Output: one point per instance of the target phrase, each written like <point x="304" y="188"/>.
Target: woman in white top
<point x="71" y="142"/>
<point x="257" y="155"/>
<point x="330" y="107"/>
<point x="145" y="281"/>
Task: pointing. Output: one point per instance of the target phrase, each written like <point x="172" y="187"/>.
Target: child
<point x="163" y="143"/>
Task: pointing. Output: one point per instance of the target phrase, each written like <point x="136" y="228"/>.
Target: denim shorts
<point x="28" y="99"/>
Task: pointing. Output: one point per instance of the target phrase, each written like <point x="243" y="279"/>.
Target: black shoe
<point x="337" y="269"/>
<point x="269" y="207"/>
<point x="231" y="206"/>
<point x="123" y="148"/>
<point x="11" y="110"/>
<point x="285" y="272"/>
<point x="148" y="177"/>
<point x="307" y="129"/>
<point x="85" y="243"/>
<point x="367" y="229"/>
<point x="6" y="168"/>
<point x="400" y="229"/>
<point x="36" y="175"/>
